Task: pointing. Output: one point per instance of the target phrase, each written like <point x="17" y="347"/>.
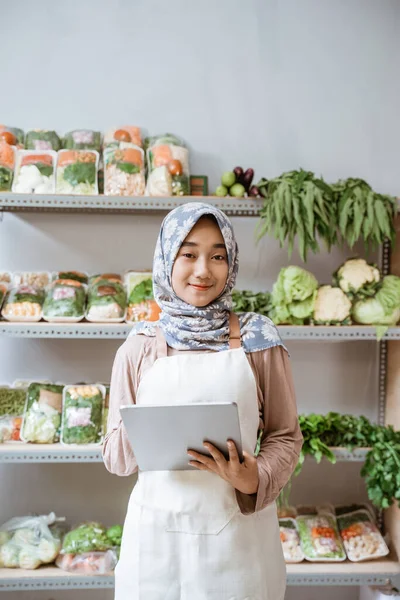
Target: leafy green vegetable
<point x="80" y="172"/>
<point x="127" y="167"/>
<point x="313" y="551"/>
<point x="6" y="177"/>
<point x="293" y="296"/>
<point x="247" y="301"/>
<point x="25" y="293"/>
<point x="180" y="185"/>
<point x="383" y="309"/>
<point x="42" y="418"/>
<point x="74" y="275"/>
<point x="142" y="291"/>
<point x="46" y="170"/>
<point x="12" y="401"/>
<point x="114" y="534"/>
<point x="82" y="415"/>
<point x="83" y="139"/>
<point x="88" y="537"/>
<point x="105" y="292"/>
<point x="64" y="300"/>
<point x="42" y="135"/>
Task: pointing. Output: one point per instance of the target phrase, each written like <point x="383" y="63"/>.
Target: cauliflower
<point x="28" y="558"/>
<point x="9" y="555"/>
<point x="357" y="277"/>
<point x="24" y="536"/>
<point x="48" y="550"/>
<point x="332" y="306"/>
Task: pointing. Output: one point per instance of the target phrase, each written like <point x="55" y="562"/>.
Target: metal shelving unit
<point x="19" y="453"/>
<point x="378" y="572"/>
<point x="84" y="330"/>
<point x="10" y="202"/>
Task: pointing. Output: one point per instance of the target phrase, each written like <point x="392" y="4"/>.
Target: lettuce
<point x="293" y="296"/>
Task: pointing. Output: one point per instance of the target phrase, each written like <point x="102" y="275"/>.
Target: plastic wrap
<point x="28" y="542"/>
<point x="89" y="563"/>
<point x="42" y="139"/>
<point x="3" y="292"/>
<point x="124" y="134"/>
<point x="12" y="135"/>
<point x="12" y="401"/>
<point x="106" y="301"/>
<point x="42" y="415"/>
<point x="290" y="539"/>
<point x="7" y="166"/>
<point x="361" y="537"/>
<point x="141" y="303"/>
<point x="38" y="279"/>
<point x="23" y="303"/>
<point x="82" y="419"/>
<point x="124" y="173"/>
<point x="74" y="275"/>
<point x="35" y="172"/>
<point x="320" y="539"/>
<point x="112" y="277"/>
<point x="77" y="172"/>
<point x="82" y="139"/>
<point x="168" y="167"/>
<point x="65" y="301"/>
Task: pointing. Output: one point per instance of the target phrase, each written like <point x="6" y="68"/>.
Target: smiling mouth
<point x="201" y="288"/>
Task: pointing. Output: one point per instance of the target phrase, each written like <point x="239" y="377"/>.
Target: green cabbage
<point x="293" y="296"/>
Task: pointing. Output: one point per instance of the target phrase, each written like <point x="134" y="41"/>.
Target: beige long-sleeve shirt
<point x="281" y="441"/>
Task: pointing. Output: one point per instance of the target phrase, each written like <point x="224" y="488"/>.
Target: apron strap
<point x="234" y="332"/>
<point x="162" y="348"/>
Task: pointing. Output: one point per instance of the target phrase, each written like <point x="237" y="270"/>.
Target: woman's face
<point x="200" y="269"/>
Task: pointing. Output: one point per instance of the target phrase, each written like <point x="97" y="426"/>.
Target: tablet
<point x="161" y="435"/>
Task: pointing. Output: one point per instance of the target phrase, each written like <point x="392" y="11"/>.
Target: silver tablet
<point x="161" y="435"/>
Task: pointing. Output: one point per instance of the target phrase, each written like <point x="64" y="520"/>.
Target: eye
<point x="188" y="255"/>
<point x="219" y="257"/>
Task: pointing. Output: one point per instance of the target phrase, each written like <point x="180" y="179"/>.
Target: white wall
<point x="268" y="84"/>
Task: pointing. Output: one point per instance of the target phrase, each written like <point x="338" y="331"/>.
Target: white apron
<point x="184" y="535"/>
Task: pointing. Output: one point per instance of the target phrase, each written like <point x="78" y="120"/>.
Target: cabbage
<point x="9" y="555"/>
<point x="28" y="558"/>
<point x="41" y="424"/>
<point x="384" y="308"/>
<point x="293" y="296"/>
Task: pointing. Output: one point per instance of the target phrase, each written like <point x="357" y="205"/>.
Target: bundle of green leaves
<point x="247" y="301"/>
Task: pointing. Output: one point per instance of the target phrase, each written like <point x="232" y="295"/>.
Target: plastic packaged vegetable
<point x="361" y="537"/>
<point x="141" y="303"/>
<point x="42" y="416"/>
<point x="7" y="165"/>
<point x="35" y="172"/>
<point x="87" y="537"/>
<point x="112" y="277"/>
<point x="12" y="401"/>
<point x="124" y="171"/>
<point x="23" y="303"/>
<point x="65" y="301"/>
<point x="75" y="275"/>
<point x="38" y="279"/>
<point x="82" y="418"/>
<point x="77" y="172"/>
<point x="124" y="134"/>
<point x="168" y="167"/>
<point x="3" y="291"/>
<point x="5" y="277"/>
<point x="290" y="539"/>
<point x="82" y="139"/>
<point x="89" y="563"/>
<point x="320" y="539"/>
<point x="42" y="139"/>
<point x="12" y="135"/>
<point x="106" y="301"/>
<point x="29" y="541"/>
<point x="106" y="408"/>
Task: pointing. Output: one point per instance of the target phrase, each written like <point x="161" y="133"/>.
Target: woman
<point x="210" y="533"/>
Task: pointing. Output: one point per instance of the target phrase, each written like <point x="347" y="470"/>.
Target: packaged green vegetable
<point x="42" y="139"/>
<point x="7" y="165"/>
<point x="42" y="416"/>
<point x="12" y="401"/>
<point x="320" y="539"/>
<point x="65" y="301"/>
<point x="74" y="275"/>
<point x="106" y="302"/>
<point x="77" y="172"/>
<point x="168" y="166"/>
<point x="87" y="537"/>
<point x="82" y="419"/>
<point x="23" y="303"/>
<point x="82" y="139"/>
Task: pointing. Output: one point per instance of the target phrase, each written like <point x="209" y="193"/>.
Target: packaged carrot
<point x="168" y="166"/>
<point x="125" y="134"/>
<point x="7" y="164"/>
<point x="35" y="172"/>
<point x="77" y="172"/>
<point x="124" y="170"/>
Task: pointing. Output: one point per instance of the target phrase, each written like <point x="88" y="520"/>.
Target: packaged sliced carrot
<point x="35" y="172"/>
<point x="168" y="166"/>
<point x="124" y="170"/>
<point x="42" y="139"/>
<point x="7" y="164"/>
<point x="12" y="135"/>
<point x="77" y="172"/>
<point x="126" y="134"/>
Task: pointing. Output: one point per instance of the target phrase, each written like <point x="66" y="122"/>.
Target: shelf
<point x="10" y="202"/>
<point x="377" y="572"/>
<point x="18" y="452"/>
<point x="84" y="330"/>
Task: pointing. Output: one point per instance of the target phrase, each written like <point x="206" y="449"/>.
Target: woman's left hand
<point x="241" y="475"/>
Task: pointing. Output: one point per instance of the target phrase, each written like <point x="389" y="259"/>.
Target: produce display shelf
<point x="19" y="452"/>
<point x="379" y="572"/>
<point x="10" y="202"/>
<point x="86" y="330"/>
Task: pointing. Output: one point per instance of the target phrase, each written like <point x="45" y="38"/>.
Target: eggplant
<point x="248" y="178"/>
<point x="239" y="174"/>
<point x="254" y="192"/>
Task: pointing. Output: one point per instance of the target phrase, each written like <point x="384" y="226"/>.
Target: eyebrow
<point x="192" y="244"/>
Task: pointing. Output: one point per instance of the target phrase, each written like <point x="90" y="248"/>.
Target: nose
<point x="201" y="269"/>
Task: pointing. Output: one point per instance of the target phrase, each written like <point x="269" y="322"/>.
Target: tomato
<point x="175" y="167"/>
<point x="122" y="136"/>
<point x="8" y="137"/>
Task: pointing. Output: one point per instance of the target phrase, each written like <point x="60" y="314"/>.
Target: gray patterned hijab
<point x="187" y="327"/>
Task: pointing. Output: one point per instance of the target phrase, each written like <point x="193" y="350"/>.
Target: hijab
<point x="188" y="327"/>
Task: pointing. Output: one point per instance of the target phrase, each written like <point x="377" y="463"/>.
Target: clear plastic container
<point x="23" y="303"/>
<point x="7" y="166"/>
<point x="35" y="172"/>
<point x="124" y="173"/>
<point x="65" y="301"/>
<point x="38" y="279"/>
<point x="125" y="134"/>
<point x="361" y="537"/>
<point x="77" y="172"/>
<point x="12" y="135"/>
<point x="320" y="539"/>
<point x="168" y="167"/>
<point x="42" y="139"/>
<point x="106" y="302"/>
<point x="290" y="539"/>
<point x="80" y="276"/>
<point x="141" y="303"/>
<point x="82" y="139"/>
<point x="42" y="415"/>
<point x="88" y="563"/>
<point x="82" y="419"/>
